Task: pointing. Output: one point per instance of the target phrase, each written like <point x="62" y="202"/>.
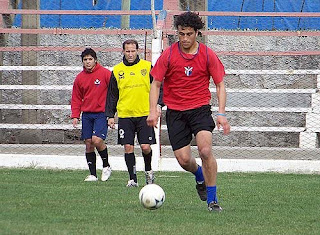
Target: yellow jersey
<point x="133" y="83"/>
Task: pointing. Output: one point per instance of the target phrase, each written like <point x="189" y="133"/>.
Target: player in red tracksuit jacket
<point x="89" y="97"/>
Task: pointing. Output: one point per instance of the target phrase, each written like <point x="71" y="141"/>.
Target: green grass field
<point x="35" y="201"/>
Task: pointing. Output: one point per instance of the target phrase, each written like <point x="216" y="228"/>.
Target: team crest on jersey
<point x="188" y="70"/>
<point x="97" y="82"/>
<point x="143" y="72"/>
<point x="121" y="74"/>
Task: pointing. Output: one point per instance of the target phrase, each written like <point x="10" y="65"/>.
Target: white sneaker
<point x="132" y="184"/>
<point x="106" y="172"/>
<point x="91" y="178"/>
<point x="149" y="177"/>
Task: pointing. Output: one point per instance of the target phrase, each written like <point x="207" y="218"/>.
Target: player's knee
<point x="184" y="161"/>
<point x="88" y="142"/>
<point x="97" y="142"/>
<point x="128" y="148"/>
<point x="145" y="148"/>
<point x="89" y="146"/>
<point x="205" y="152"/>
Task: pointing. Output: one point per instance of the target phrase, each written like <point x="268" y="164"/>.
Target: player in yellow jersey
<point x="128" y="96"/>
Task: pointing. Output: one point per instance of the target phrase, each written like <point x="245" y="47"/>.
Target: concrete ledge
<point x="220" y="152"/>
<point x="164" y="164"/>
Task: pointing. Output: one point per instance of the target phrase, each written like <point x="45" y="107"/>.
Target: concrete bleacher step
<point x="288" y="111"/>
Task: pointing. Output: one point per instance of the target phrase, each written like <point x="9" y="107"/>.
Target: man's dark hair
<point x="189" y="19"/>
<point x="89" y="51"/>
<point x="130" y="41"/>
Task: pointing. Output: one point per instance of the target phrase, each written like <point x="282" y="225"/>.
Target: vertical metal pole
<point x="156" y="52"/>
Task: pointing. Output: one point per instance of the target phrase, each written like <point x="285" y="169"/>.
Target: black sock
<point x="91" y="160"/>
<point x="104" y="157"/>
<point x="131" y="165"/>
<point x="147" y="161"/>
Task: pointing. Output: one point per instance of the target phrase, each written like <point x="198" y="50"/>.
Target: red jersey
<point x="186" y="77"/>
<point x="90" y="91"/>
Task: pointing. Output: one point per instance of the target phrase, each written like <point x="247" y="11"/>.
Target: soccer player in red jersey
<point x="89" y="98"/>
<point x="185" y="69"/>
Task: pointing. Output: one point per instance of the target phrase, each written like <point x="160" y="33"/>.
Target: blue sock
<point x="198" y="174"/>
<point x="212" y="194"/>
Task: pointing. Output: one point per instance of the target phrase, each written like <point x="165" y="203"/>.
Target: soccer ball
<point x="152" y="196"/>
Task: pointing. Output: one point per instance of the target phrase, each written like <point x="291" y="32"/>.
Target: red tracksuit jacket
<point x="89" y="91"/>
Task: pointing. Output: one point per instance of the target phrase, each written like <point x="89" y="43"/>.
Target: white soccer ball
<point x="152" y="196"/>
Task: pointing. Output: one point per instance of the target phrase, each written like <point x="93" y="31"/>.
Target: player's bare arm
<point x="222" y="98"/>
<point x="154" y="114"/>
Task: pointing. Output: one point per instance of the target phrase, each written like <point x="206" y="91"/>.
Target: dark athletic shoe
<point x="214" y="206"/>
<point x="202" y="191"/>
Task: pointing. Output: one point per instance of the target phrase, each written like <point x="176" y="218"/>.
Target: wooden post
<point x="4" y="4"/>
<point x="29" y="58"/>
<point x="125" y="19"/>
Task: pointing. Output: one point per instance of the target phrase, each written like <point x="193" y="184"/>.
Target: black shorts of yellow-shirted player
<point x="128" y="127"/>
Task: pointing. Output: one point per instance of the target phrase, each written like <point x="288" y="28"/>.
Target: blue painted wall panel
<point x="221" y="22"/>
<point x="264" y="23"/>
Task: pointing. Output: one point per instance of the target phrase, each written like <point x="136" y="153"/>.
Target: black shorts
<point x="129" y="126"/>
<point x="182" y="124"/>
